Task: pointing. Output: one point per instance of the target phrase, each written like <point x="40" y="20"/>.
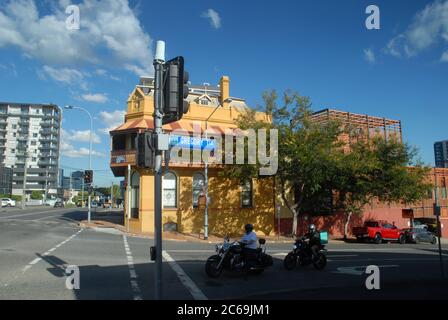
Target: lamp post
<point x="90" y="149"/>
<point x="228" y="100"/>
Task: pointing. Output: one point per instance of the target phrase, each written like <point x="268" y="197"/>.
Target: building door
<point x="135" y="195"/>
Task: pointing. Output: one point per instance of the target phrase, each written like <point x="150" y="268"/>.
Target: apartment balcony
<point x="48" y="147"/>
<point x="48" y="155"/>
<point x="48" y="139"/>
<point x="46" y="162"/>
<point x="22" y="138"/>
<point x="120" y="159"/>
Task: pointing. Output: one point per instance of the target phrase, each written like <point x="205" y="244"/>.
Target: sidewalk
<point x="105" y="219"/>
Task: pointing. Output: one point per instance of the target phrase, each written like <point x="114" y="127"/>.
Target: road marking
<point x="132" y="274"/>
<point x="33" y="213"/>
<point x="38" y="259"/>
<point x="184" y="278"/>
<point x="359" y="270"/>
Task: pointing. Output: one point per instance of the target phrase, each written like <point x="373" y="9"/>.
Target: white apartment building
<point x="30" y="136"/>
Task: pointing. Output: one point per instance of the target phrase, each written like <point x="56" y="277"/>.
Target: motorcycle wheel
<point x="290" y="261"/>
<point x="211" y="267"/>
<point x="320" y="262"/>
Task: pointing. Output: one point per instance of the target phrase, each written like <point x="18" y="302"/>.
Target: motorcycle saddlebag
<point x="323" y="237"/>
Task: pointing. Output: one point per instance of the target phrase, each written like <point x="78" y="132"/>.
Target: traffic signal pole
<point x="158" y="118"/>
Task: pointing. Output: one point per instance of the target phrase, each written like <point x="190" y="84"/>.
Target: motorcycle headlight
<point x="294" y="247"/>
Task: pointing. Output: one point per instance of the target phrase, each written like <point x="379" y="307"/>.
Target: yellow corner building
<point x="231" y="203"/>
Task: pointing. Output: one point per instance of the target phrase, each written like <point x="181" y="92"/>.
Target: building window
<point x="246" y="194"/>
<point x="198" y="187"/>
<point x="204" y="102"/>
<point x="169" y="186"/>
<point x="14" y="126"/>
<point x="34" y="135"/>
<point x="135" y="194"/>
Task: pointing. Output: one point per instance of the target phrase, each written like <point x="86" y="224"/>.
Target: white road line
<point x="38" y="259"/>
<point x="132" y="274"/>
<point x="184" y="278"/>
<point x="32" y="213"/>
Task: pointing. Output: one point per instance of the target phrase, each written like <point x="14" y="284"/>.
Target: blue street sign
<point x="195" y="143"/>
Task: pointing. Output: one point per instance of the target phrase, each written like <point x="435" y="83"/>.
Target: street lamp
<point x="228" y="100"/>
<point x="90" y="147"/>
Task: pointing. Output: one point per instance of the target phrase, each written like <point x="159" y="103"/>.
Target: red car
<point x="377" y="231"/>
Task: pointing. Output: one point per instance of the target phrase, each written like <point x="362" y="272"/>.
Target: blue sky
<point x="320" y="48"/>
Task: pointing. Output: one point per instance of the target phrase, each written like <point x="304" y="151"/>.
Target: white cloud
<point x="97" y="97"/>
<point x="109" y="33"/>
<point x="444" y="57"/>
<point x="69" y="150"/>
<point x="112" y="120"/>
<point x="213" y="16"/>
<point x="66" y="76"/>
<point x="81" y="153"/>
<point x="369" y="56"/>
<point x="429" y="26"/>
<point x="79" y="136"/>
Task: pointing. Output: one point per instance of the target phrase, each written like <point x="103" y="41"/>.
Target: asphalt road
<point x="38" y="244"/>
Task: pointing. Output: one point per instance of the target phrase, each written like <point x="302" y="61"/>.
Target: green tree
<point x="307" y="152"/>
<point x="36" y="195"/>
<point x="316" y="175"/>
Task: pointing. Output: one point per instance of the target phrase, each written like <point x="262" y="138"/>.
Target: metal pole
<point x="90" y="162"/>
<point x="439" y="227"/>
<point x="111" y="196"/>
<point x="46" y="187"/>
<point x="25" y="172"/>
<point x="206" y="189"/>
<point x="206" y="179"/>
<point x="128" y="202"/>
<point x="158" y="117"/>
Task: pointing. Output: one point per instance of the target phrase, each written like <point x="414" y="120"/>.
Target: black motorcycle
<point x="303" y="256"/>
<point x="231" y="256"/>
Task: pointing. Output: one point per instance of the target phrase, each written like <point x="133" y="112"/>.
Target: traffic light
<point x="175" y="90"/>
<point x="144" y="143"/>
<point x="88" y="176"/>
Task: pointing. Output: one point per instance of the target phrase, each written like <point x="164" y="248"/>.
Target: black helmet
<point x="249" y="227"/>
<point x="311" y="228"/>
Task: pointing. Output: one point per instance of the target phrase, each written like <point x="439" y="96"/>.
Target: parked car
<point x="417" y="235"/>
<point x="50" y="202"/>
<point x="59" y="204"/>
<point x="94" y="204"/>
<point x="7" y="202"/>
<point x="379" y="231"/>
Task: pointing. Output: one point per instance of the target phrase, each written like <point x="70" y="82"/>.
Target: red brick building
<point x="366" y="127"/>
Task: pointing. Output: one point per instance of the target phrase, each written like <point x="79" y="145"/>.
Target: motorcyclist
<point x="249" y="240"/>
<point x="313" y="239"/>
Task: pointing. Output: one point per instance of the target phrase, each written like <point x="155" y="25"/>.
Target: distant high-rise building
<point x="30" y="136"/>
<point x="441" y="154"/>
<point x="5" y="180"/>
<point x="77" y="180"/>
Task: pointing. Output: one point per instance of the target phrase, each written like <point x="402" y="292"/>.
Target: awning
<point x="190" y="127"/>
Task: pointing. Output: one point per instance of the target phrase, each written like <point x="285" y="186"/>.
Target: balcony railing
<point x="122" y="158"/>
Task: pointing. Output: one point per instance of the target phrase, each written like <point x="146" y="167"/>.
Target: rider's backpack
<point x="323" y="237"/>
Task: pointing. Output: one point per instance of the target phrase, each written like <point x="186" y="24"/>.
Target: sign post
<point x="158" y="118"/>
